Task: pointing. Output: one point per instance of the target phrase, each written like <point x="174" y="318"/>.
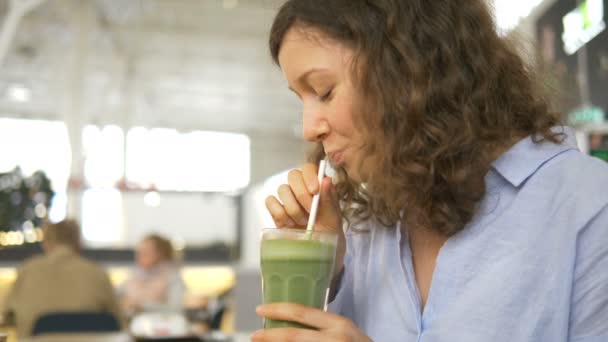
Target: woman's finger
<point x="292" y="206"/>
<point x="278" y="213"/>
<point x="311" y="178"/>
<point x="301" y="314"/>
<point x="289" y="334"/>
<point x="300" y="190"/>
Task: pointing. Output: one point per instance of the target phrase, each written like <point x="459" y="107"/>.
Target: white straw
<point x="315" y="198"/>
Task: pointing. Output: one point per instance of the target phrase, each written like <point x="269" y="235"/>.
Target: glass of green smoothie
<point x="297" y="267"/>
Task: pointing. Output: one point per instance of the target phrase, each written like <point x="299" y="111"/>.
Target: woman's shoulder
<point x="579" y="171"/>
<point x="572" y="185"/>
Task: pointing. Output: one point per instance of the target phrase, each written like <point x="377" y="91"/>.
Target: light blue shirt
<point x="531" y="266"/>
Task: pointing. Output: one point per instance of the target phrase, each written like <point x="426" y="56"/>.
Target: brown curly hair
<point x="441" y="93"/>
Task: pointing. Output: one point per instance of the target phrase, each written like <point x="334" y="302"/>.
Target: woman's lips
<point x="337" y="158"/>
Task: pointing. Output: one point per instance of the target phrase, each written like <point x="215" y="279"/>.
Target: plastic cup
<point x="297" y="267"/>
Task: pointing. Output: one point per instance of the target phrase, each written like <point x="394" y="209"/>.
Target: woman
<point x="156" y="283"/>
<point x="472" y="215"/>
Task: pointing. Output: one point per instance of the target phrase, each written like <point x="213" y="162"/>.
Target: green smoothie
<point x="296" y="271"/>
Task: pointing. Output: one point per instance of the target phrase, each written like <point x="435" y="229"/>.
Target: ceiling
<point x="188" y="64"/>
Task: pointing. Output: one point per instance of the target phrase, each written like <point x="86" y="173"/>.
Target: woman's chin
<point x="353" y="174"/>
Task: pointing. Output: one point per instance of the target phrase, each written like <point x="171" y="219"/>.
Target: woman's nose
<point x="315" y="125"/>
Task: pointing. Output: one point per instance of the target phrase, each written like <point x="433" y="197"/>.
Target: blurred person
<point x="61" y="280"/>
<point x="156" y="282"/>
<point x="471" y="214"/>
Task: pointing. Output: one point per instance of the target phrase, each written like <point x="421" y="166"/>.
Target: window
<point x="36" y="145"/>
<point x="166" y="159"/>
<point x="104" y="155"/>
<point x="102" y="216"/>
<point x="176" y="165"/>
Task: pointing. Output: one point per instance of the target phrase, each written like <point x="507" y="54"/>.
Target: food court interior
<point x="168" y="117"/>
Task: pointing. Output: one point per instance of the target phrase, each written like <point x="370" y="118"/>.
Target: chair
<point x="215" y="321"/>
<point x="75" y="322"/>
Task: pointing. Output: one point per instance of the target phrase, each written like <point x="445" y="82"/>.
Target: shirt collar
<point x="525" y="157"/>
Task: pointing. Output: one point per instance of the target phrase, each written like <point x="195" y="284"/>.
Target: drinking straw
<point x="315" y="198"/>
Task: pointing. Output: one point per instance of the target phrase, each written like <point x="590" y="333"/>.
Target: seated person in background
<point x="156" y="283"/>
<point x="59" y="281"/>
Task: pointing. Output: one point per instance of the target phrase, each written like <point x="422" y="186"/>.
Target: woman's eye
<point x="326" y="96"/>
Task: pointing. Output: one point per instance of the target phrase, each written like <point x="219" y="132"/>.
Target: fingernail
<point x="258" y="309"/>
<point x="290" y="224"/>
<point x="312" y="186"/>
<point x="303" y="220"/>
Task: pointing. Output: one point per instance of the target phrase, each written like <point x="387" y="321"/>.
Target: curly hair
<point x="441" y="94"/>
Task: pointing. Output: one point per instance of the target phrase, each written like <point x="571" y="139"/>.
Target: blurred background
<point x="168" y="116"/>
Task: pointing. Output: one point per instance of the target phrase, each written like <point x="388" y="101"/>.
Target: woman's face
<point x="318" y="71"/>
<point x="147" y="255"/>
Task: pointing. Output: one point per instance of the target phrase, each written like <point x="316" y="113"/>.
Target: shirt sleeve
<point x="342" y="301"/>
<point x="589" y="307"/>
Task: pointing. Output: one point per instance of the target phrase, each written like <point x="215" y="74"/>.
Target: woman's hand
<point x="292" y="208"/>
<point x="331" y="327"/>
